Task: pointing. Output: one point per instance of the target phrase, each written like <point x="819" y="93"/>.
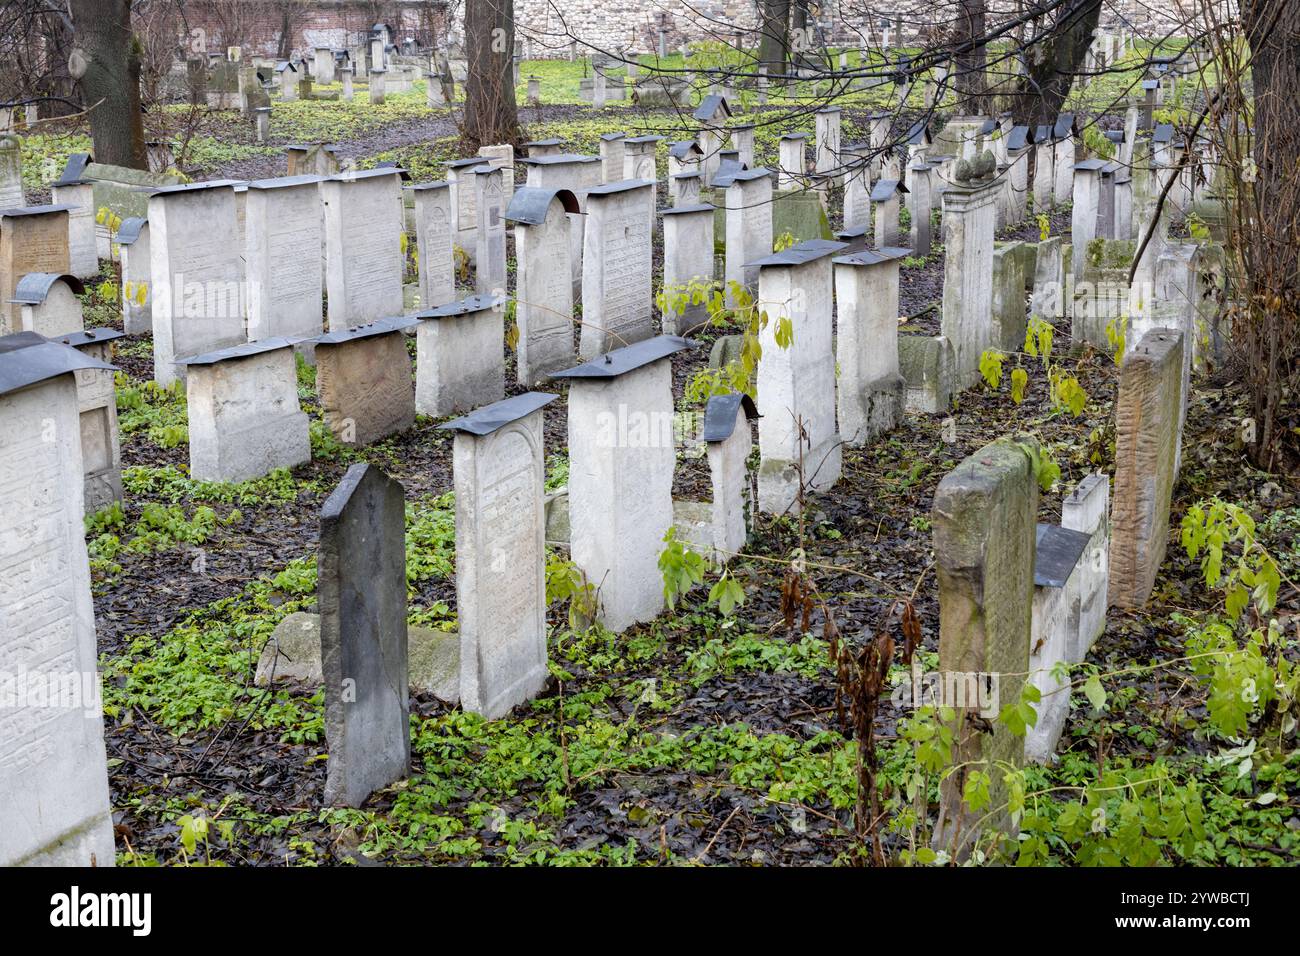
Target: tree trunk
<point x="969" y="63"/>
<point x="1268" y="337"/>
<point x="1053" y="61"/>
<point x="490" y="112"/>
<point x="774" y="41"/>
<point x="107" y="69"/>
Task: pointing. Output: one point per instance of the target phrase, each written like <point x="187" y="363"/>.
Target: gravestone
<point x="363" y="246"/>
<point x="621" y="458"/>
<point x="857" y="194"/>
<point x="684" y="188"/>
<point x="365" y="383"/>
<point x="101" y="453"/>
<point x="133" y="246"/>
<point x="433" y="242"/>
<point x="1008" y="309"/>
<point x="968" y="226"/>
<point x="361" y="590"/>
<point x="196" y="269"/>
<point x="244" y="416"/>
<point x="871" y="391"/>
<point x="79" y="197"/>
<point x="347" y="74"/>
<point x="282" y="233"/>
<point x="639" y="163"/>
<point x="1148" y="410"/>
<point x="984" y="544"/>
<point x="32" y="239"/>
<point x="1083" y="215"/>
<point x="792" y="161"/>
<point x="1044" y="175"/>
<point x="1058" y="595"/>
<point x="502" y="156"/>
<point x="1047" y="298"/>
<point x="490" y="233"/>
<point x="688" y="258"/>
<point x="611" y="157"/>
<point x="683" y="161"/>
<point x="729" y="439"/>
<point x="464" y="202"/>
<point x="886" y="198"/>
<point x="54" y="797"/>
<point x="459" y="356"/>
<point x="498" y="463"/>
<point x="797" y="432"/>
<point x="49" y="302"/>
<point x="827" y="157"/>
<point x="543" y="288"/>
<point x="376" y="89"/>
<point x="577" y="174"/>
<point x="11" y="172"/>
<point x="616" y="290"/>
<point x="742" y="141"/>
<point x="749" y="229"/>
<point x="1087" y="510"/>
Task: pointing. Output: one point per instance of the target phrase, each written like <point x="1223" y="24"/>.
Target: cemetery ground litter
<point x="698" y="738"/>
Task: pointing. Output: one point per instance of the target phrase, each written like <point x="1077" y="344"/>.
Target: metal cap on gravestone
<point x="1056" y="553"/>
<point x="89" y="337"/>
<point x="872" y="257"/>
<point x="361" y="592"/>
<point x="27" y="358"/>
<point x="884" y="190"/>
<point x="629" y="358"/>
<point x="722" y="412"/>
<point x="489" y="418"/>
<point x="713" y="108"/>
<point x="529" y="204"/>
<point x="34" y="287"/>
<point x="130" y="229"/>
<point x="398" y="323"/>
<point x="804" y="252"/>
<point x="683" y="149"/>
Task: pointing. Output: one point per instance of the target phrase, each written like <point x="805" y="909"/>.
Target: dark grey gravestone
<point x="361" y="589"/>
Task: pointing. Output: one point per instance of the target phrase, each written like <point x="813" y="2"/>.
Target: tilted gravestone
<point x="361" y="589"/>
<point x="984" y="543"/>
<point x="1148" y="410"/>
<point x="499" y="473"/>
<point x="54" y="799"/>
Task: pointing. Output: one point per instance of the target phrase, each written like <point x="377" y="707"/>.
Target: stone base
<point x="778" y="480"/>
<point x="927" y="367"/>
<point x="883" y="403"/>
<point x="90" y="844"/>
<point x="293" y="653"/>
<point x="281" y="442"/>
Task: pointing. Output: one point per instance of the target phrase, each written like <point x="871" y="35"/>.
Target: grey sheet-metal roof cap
<point x="807" y="251"/>
<point x="34" y="288"/>
<point x="242" y="350"/>
<point x="89" y="337"/>
<point x="421" y="187"/>
<point x="685" y="210"/>
<point x="74" y="169"/>
<point x="16" y="212"/>
<point x="1090" y="165"/>
<point x="710" y="105"/>
<point x="529" y="204"/>
<point x="475" y="303"/>
<point x="489" y="418"/>
<point x="27" y="358"/>
<point x="873" y="257"/>
<point x="556" y="158"/>
<point x="683" y="148"/>
<point x="1057" y="552"/>
<point x="885" y="188"/>
<point x="397" y="323"/>
<point x="627" y="359"/>
<point x="626" y="185"/>
<point x="721" y="412"/>
<point x="1163" y="133"/>
<point x="183" y="188"/>
<point x="284" y="182"/>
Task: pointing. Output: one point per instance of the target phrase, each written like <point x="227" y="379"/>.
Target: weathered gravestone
<point x="133" y="243"/>
<point x="1148" y="410"/>
<point x="827" y="157"/>
<point x="729" y="439"/>
<point x="282" y="233"/>
<point x="969" y="210"/>
<point x="984" y="536"/>
<point x="688" y="258"/>
<point x="611" y="157"/>
<point x="54" y="800"/>
<point x="11" y="172"/>
<point x="244" y="416"/>
<point x="621" y="458"/>
<point x="195" y="265"/>
<point x="32" y="239"/>
<point x="1008" y="307"/>
<point x="79" y="197"/>
<point x="797" y="436"/>
<point x="748" y="229"/>
<point x="460" y="362"/>
<point x="101" y="453"/>
<point x="433" y="236"/>
<point x="578" y="174"/>
<point x="871" y="392"/>
<point x="49" y="302"/>
<point x="464" y="202"/>
<point x="616" y="289"/>
<point x="499" y="473"/>
<point x="1087" y="510"/>
<point x="543" y="288"/>
<point x="364" y="379"/>
<point x="363" y="246"/>
<point x="361" y="589"/>
<point x="490" y="235"/>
